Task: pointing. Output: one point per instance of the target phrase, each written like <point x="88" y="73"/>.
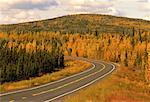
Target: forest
<point x="34" y="48"/>
<point x="80" y="23"/>
<point x="26" y="56"/>
<point x="128" y="50"/>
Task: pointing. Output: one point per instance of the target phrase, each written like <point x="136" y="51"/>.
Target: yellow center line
<point x="24" y="98"/>
<point x="50" y="90"/>
<point x="11" y="100"/>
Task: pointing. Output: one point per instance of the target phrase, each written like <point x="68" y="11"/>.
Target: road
<point x="55" y="90"/>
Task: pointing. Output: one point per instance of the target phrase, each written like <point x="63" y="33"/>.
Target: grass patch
<point x="124" y="85"/>
<point x="71" y="67"/>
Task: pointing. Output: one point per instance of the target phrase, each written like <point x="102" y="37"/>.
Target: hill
<point x="81" y="23"/>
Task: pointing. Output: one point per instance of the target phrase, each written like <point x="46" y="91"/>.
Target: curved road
<point x="54" y="90"/>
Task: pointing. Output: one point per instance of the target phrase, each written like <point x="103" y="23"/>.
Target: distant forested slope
<point x="82" y="23"/>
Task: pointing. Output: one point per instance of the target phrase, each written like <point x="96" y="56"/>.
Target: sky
<point x="17" y="11"/>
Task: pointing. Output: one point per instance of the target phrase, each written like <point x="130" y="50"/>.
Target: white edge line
<point x="83" y="86"/>
<point x="4" y="94"/>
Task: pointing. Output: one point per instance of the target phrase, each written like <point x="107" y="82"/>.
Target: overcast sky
<point x="15" y="11"/>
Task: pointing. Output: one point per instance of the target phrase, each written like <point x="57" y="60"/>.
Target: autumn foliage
<point x="26" y="56"/>
<point x="127" y="49"/>
<point x="47" y="49"/>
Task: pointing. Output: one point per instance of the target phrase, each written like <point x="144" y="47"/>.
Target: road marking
<point x="11" y="100"/>
<point x="23" y="90"/>
<point x="43" y="92"/>
<point x="113" y="68"/>
<point x="24" y="98"/>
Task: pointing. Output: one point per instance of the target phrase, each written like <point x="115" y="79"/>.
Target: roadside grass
<point x="71" y="67"/>
<point x="124" y="85"/>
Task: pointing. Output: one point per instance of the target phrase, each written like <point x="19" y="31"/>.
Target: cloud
<point x="147" y="17"/>
<point x="89" y="6"/>
<point x="27" y="4"/>
<point x="143" y="0"/>
<point x="85" y="3"/>
<point x="14" y="11"/>
<point x="145" y="7"/>
<point x="34" y="5"/>
<point x="18" y="16"/>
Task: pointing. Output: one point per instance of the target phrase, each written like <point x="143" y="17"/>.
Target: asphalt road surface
<point x="55" y="90"/>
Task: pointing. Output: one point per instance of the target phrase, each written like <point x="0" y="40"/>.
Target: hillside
<point x="30" y="52"/>
<point x="81" y="23"/>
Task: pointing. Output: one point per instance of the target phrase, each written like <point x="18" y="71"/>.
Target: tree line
<point x="42" y="52"/>
<point x="129" y="49"/>
<point x="21" y="59"/>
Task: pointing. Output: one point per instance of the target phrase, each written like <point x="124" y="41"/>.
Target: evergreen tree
<point x="69" y="51"/>
<point x="126" y="59"/>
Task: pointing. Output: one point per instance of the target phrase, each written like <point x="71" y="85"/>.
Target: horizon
<point x="73" y="15"/>
<point x="20" y="11"/>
